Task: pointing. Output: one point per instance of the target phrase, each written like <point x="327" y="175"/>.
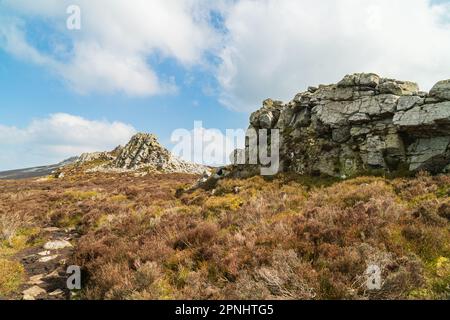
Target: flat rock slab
<point x="48" y="258"/>
<point x="51" y="229"/>
<point x="57" y="292"/>
<point x="33" y="293"/>
<point x="57" y="245"/>
<point x="36" y="280"/>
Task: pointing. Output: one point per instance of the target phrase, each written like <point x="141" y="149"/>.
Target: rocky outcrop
<point x="142" y="153"/>
<point x="142" y="150"/>
<point x="360" y="124"/>
<point x="94" y="156"/>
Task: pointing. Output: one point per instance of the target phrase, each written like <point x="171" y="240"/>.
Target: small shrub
<point x="228" y="202"/>
<point x="444" y="210"/>
<point x="81" y="195"/>
<point x="119" y="198"/>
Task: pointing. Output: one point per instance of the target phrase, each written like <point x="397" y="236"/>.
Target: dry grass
<point x="11" y="276"/>
<point x="248" y="239"/>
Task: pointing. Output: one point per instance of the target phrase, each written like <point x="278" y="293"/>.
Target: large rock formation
<point x="143" y="153"/>
<point x="361" y="124"/>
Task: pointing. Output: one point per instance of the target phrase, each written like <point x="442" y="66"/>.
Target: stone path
<point x="46" y="266"/>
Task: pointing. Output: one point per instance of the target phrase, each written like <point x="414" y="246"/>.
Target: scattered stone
<point x="94" y="156"/>
<point x="69" y="229"/>
<point x="57" y="292"/>
<point x="33" y="293"/>
<point x="36" y="280"/>
<point x="53" y="274"/>
<point x="44" y="253"/>
<point x="57" y="245"/>
<point x="399" y="88"/>
<point x="48" y="258"/>
<point x="427" y="153"/>
<point x="51" y="229"/>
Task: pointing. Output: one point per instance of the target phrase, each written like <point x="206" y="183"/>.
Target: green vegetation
<point x="11" y="276"/>
<point x="288" y="237"/>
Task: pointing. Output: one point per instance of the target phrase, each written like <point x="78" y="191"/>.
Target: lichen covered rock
<point x="361" y="124"/>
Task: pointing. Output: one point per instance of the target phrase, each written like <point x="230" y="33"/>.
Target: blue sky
<point x="161" y="65"/>
<point x="28" y="92"/>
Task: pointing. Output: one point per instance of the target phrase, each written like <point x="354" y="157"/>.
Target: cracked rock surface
<point x="363" y="123"/>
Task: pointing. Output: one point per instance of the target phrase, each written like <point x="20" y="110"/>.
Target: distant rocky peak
<point x="143" y="149"/>
<point x="143" y="154"/>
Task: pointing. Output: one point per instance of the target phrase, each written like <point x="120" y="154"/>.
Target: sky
<point x="157" y="66"/>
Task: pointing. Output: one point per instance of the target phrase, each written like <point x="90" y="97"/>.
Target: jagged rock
<point x="94" y="156"/>
<point x="441" y="90"/>
<point x="57" y="245"/>
<point x="33" y="293"/>
<point x="36" y="280"/>
<point x="430" y="154"/>
<point x="142" y="155"/>
<point x="363" y="123"/>
<point x="268" y="116"/>
<point x="426" y="118"/>
<point x="142" y="148"/>
<point x="57" y="292"/>
<point x="144" y="152"/>
<point x="408" y="102"/>
<point x="369" y="80"/>
<point x="359" y="118"/>
<point x="399" y="88"/>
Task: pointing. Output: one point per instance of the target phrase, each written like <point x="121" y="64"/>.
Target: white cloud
<point x="270" y="48"/>
<point x="60" y="136"/>
<point x="96" y="69"/>
<point x="276" y="48"/>
<point x="207" y="146"/>
<point x="110" y="53"/>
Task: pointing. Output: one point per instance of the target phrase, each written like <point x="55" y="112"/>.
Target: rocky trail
<point x="46" y="266"/>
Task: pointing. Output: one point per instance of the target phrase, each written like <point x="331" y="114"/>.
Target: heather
<point x="289" y="237"/>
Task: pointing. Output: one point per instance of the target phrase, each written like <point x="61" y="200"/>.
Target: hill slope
<point x="35" y="172"/>
<point x="288" y="238"/>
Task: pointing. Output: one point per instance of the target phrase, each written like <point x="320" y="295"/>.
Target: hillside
<point x="35" y="172"/>
<point x="362" y="191"/>
<point x="289" y="237"/>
